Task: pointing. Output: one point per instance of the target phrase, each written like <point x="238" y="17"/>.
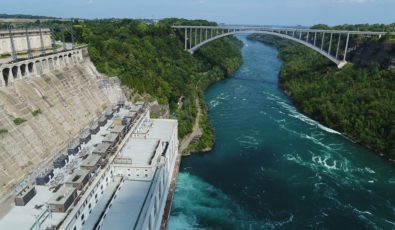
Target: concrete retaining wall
<point x="70" y="94"/>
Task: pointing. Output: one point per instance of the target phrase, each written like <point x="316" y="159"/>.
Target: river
<point x="274" y="168"/>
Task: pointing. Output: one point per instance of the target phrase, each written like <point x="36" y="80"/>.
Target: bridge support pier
<point x="338" y="45"/>
<point x="345" y="49"/>
<point x="185" y="38"/>
<point x="341" y="64"/>
<point x="196" y="36"/>
<point x="190" y="38"/>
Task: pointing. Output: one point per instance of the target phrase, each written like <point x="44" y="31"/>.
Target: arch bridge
<point x="333" y="44"/>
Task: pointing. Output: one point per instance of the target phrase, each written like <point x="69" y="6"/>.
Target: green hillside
<point x="150" y="58"/>
<point x="358" y="100"/>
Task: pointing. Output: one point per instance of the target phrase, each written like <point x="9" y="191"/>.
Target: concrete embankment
<point x="41" y="113"/>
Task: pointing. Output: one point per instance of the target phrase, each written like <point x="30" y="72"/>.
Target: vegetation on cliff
<point x="150" y="58"/>
<point x="357" y="100"/>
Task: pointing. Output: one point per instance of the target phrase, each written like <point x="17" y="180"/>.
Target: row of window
<point x="94" y="191"/>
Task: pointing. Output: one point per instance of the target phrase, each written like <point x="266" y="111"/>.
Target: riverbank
<point x="274" y="168"/>
<point x="150" y="59"/>
<point x="358" y="102"/>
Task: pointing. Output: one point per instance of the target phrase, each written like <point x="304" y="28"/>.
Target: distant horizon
<point x="248" y="12"/>
<point x="104" y="18"/>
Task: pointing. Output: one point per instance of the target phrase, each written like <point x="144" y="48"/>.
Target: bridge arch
<point x="61" y="61"/>
<point x="23" y="69"/>
<point x="30" y="67"/>
<point x="326" y="54"/>
<point x="55" y="62"/>
<point x="50" y="64"/>
<point x="14" y="71"/>
<point x="6" y="74"/>
<point x="39" y="67"/>
<point x="44" y="65"/>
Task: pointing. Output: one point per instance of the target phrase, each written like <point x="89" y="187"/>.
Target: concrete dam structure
<point x="45" y="104"/>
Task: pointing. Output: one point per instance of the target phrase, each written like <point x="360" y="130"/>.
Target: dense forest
<point x="357" y="100"/>
<point x="150" y="58"/>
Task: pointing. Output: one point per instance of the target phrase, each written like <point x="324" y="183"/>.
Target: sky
<point x="251" y="12"/>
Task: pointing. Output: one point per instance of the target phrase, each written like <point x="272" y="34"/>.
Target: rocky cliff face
<point x="68" y="99"/>
<point x="380" y="54"/>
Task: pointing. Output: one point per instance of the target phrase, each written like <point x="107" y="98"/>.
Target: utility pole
<point x="63" y="40"/>
<point x="72" y="37"/>
<point x="14" y="55"/>
<point x="42" y="41"/>
<point x="29" y="49"/>
<point x="53" y="40"/>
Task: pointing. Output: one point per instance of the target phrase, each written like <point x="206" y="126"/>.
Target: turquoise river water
<point x="274" y="168"/>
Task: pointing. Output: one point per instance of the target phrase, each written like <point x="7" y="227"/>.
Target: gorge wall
<point x="56" y="106"/>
